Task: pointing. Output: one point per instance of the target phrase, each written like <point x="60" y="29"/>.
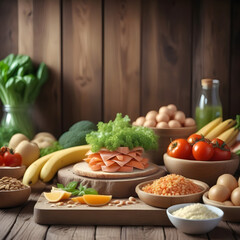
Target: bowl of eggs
<point x="168" y="123"/>
<point x="225" y="194"/>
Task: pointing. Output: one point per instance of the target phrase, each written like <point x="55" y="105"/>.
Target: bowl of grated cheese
<point x="194" y="218"/>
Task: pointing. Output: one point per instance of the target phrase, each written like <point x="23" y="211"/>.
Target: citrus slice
<point x="56" y="196"/>
<point x="78" y="199"/>
<point x="97" y="200"/>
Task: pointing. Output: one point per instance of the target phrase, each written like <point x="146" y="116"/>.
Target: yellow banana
<point x="209" y="127"/>
<point x="31" y="175"/>
<point x="220" y="129"/>
<point x="228" y="135"/>
<point x="61" y="159"/>
<point x="232" y="141"/>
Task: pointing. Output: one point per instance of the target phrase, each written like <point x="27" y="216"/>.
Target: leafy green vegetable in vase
<point x="120" y="133"/>
<point x="20" y="85"/>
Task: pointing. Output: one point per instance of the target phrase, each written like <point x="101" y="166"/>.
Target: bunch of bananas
<point x="226" y="130"/>
<point x="46" y="167"/>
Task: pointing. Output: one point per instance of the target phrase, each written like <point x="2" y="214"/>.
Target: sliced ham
<point x="122" y="162"/>
<point x="112" y="168"/>
<point x="136" y="164"/>
<point x="108" y="155"/>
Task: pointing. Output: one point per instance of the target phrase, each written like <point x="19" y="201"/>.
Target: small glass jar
<point x="209" y="105"/>
<point x="18" y="118"/>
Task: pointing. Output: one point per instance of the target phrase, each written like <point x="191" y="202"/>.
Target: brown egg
<point x="174" y="124"/>
<point x="140" y="121"/>
<point x="165" y="110"/>
<point x="228" y="203"/>
<point x="162" y="117"/>
<point x="219" y="193"/>
<point x="150" y="123"/>
<point x="228" y="181"/>
<point x="235" y="196"/>
<point x="180" y="116"/>
<point x="189" y="122"/>
<point x="151" y="115"/>
<point x="172" y="107"/>
<point x="162" y="125"/>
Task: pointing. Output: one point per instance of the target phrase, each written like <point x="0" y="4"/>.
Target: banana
<point x="228" y="135"/>
<point x="61" y="159"/>
<point x="209" y="127"/>
<point x="232" y="141"/>
<point x="31" y="175"/>
<point x="223" y="126"/>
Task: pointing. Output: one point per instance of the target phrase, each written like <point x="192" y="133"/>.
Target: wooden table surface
<point x="18" y="223"/>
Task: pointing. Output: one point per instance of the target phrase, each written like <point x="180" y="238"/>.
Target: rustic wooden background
<point x="129" y="56"/>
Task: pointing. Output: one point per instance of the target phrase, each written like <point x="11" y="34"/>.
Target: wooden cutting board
<point x="135" y="214"/>
<point x="118" y="188"/>
<point x="82" y="169"/>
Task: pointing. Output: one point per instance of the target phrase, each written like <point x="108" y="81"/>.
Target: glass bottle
<point x="209" y="105"/>
<point x="18" y="118"/>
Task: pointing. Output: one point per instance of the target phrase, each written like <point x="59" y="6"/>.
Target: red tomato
<point x="202" y="151"/>
<point x="12" y="160"/>
<point x="221" y="150"/>
<point x="180" y="148"/>
<point x="1" y="161"/>
<point x="195" y="138"/>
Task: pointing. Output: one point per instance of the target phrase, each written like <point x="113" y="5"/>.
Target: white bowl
<point x="194" y="226"/>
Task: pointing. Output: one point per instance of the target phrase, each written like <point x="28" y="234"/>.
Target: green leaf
<point x="72" y="185"/>
<point x="91" y="191"/>
<point x="59" y="185"/>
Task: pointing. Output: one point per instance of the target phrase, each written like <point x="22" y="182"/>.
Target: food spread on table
<point x="117" y="148"/>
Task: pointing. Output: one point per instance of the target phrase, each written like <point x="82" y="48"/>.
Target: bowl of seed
<point x="13" y="192"/>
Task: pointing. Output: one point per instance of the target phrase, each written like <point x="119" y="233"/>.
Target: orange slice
<point x="97" y="200"/>
<point x="56" y="196"/>
<point x="78" y="199"/>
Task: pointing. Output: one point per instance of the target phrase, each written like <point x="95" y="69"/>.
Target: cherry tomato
<point x="221" y="150"/>
<point x="1" y="161"/>
<point x="12" y="159"/>
<point x="195" y="138"/>
<point x="202" y="151"/>
<point x="180" y="148"/>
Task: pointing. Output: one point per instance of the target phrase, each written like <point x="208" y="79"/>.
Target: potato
<point x="16" y="139"/>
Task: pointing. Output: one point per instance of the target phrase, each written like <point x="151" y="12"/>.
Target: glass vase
<point x="18" y="118"/>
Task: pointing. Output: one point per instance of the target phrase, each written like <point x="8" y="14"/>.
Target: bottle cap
<point x="208" y="82"/>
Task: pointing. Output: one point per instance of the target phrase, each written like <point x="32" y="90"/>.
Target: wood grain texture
<point x="211" y="47"/>
<point x="234" y="104"/>
<point x="82" y="61"/>
<point x="166" y="55"/>
<point x="39" y="37"/>
<point x="121" y="58"/>
<point x="8" y="30"/>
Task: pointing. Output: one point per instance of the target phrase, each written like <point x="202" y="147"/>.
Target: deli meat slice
<point x="121" y="163"/>
<point x="112" y="168"/>
<point x="108" y="155"/>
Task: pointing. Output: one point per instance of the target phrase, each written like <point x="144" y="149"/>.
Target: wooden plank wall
<point x="128" y="56"/>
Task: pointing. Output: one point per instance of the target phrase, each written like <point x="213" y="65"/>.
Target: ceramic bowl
<point x="231" y="213"/>
<point x="165" y="135"/>
<point x="192" y="226"/>
<point x="14" y="198"/>
<point x="15" y="172"/>
<point x="206" y="171"/>
<point x="167" y="201"/>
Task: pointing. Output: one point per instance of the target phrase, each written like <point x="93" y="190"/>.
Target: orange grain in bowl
<point x="172" y="185"/>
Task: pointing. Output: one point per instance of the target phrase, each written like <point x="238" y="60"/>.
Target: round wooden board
<point x="118" y="188"/>
<point x="82" y="169"/>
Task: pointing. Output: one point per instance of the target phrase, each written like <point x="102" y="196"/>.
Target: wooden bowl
<point x="14" y="198"/>
<point x="206" y="171"/>
<point x="15" y="172"/>
<point x="231" y="213"/>
<point x="167" y="201"/>
<point x="165" y="135"/>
